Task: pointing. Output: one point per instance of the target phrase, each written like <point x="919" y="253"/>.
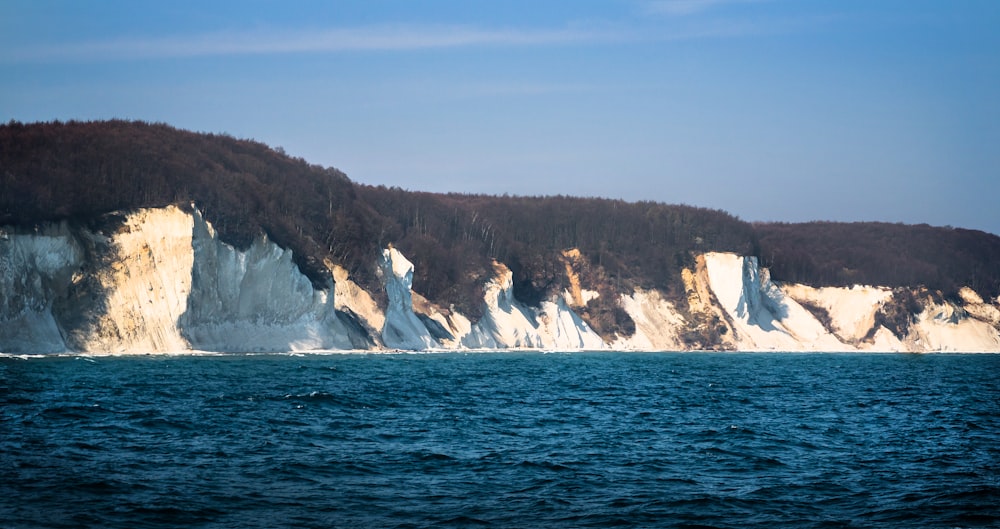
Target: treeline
<point x="452" y="240"/>
<point x="873" y="253"/>
<point x="80" y="170"/>
<point x="77" y="170"/>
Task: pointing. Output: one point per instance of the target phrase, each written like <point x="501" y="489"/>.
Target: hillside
<point x="873" y="253"/>
<point x="78" y="171"/>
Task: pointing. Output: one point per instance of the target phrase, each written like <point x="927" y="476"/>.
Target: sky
<point x="773" y="110"/>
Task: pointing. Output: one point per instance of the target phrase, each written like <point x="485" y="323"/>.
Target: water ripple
<point x="501" y="440"/>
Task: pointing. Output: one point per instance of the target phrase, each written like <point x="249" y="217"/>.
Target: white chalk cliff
<point x="763" y="316"/>
<point x="162" y="281"/>
<point x="508" y="323"/>
<point x="35" y="270"/>
<point x="254" y="300"/>
<point x="402" y="328"/>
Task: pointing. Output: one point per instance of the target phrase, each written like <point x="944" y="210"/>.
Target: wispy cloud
<point x="374" y="38"/>
<point x="688" y="7"/>
<point x="401" y="38"/>
<point x="521" y="88"/>
<point x="733" y="28"/>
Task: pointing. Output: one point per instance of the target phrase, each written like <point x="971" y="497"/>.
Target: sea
<point x="550" y="440"/>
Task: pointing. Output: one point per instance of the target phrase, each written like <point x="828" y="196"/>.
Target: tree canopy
<point x="78" y="170"/>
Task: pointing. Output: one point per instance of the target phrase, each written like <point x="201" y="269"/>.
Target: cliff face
<point x="36" y="269"/>
<point x="160" y="280"/>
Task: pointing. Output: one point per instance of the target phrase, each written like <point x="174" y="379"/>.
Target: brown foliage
<point x="873" y="253"/>
<point x="452" y="238"/>
<point x="80" y="170"/>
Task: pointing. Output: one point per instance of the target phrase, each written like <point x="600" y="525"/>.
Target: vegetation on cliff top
<point x="79" y="170"/>
<point x="876" y="253"/>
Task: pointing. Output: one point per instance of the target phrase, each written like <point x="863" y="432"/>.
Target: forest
<point x="876" y="253"/>
<point x="77" y="171"/>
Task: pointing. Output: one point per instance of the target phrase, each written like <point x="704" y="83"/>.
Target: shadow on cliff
<point x="81" y="313"/>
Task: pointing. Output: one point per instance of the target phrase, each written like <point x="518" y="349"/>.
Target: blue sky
<point x="787" y="110"/>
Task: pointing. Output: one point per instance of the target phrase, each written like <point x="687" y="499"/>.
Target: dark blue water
<point x="501" y="440"/>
